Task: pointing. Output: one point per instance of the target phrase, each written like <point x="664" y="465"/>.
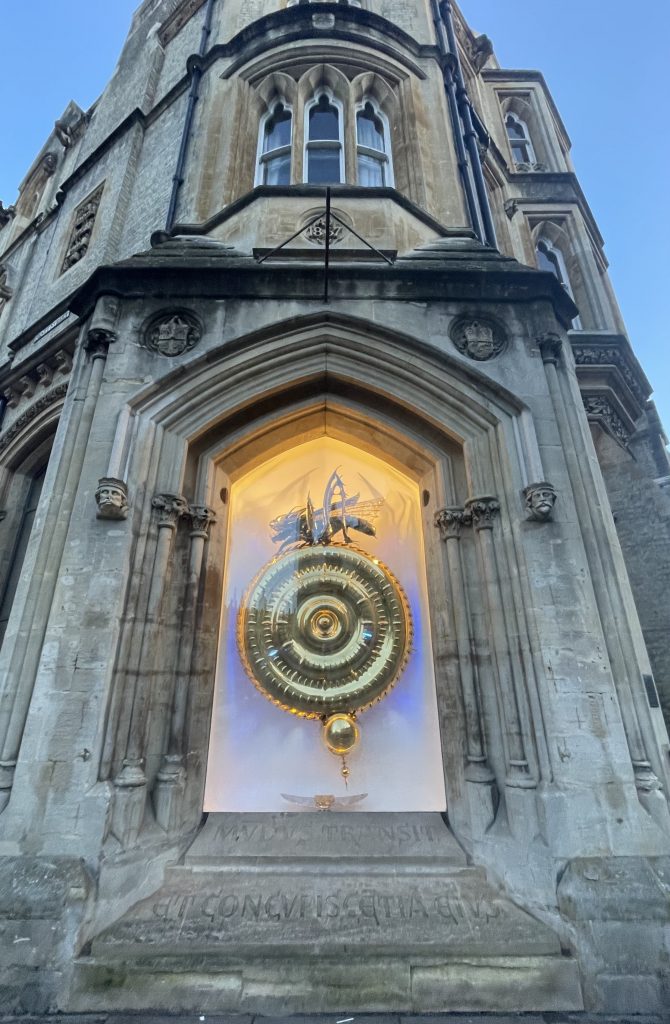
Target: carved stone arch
<point x="349" y="74"/>
<point x="25" y="448"/>
<point x="277" y="87"/>
<point x="560" y="234"/>
<point x="371" y="85"/>
<point x="324" y="76"/>
<point x="251" y="395"/>
<point x="335" y="84"/>
<point x="21" y="443"/>
<point x="372" y="88"/>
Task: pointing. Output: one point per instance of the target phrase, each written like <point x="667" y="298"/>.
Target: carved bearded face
<point x="111" y="501"/>
<point x="540" y="501"/>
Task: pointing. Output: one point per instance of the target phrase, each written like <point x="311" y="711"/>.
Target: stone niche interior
<point x="262" y="758"/>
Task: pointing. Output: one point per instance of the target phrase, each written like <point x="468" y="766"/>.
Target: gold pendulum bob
<point x="341" y="734"/>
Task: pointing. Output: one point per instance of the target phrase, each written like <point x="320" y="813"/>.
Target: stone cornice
<point x="613" y="387"/>
<point x="605" y="363"/>
<point x="430" y="273"/>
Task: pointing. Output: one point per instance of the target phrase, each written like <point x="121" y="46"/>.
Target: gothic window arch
<point x="322" y="127"/>
<point x="323" y="161"/>
<point x="23" y="464"/>
<point x="373" y="150"/>
<point x="549" y="257"/>
<point x="35" y="482"/>
<point x="275" y="138"/>
<point x="525" y="134"/>
<point x="552" y="254"/>
<point x="519" y="139"/>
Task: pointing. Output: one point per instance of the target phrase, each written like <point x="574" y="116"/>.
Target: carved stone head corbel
<point x="540" y="499"/>
<point x="111" y="498"/>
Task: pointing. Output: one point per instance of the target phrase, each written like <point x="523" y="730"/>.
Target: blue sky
<point x="604" y="61"/>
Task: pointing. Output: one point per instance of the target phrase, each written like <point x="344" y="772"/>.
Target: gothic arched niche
<point x="260" y="754"/>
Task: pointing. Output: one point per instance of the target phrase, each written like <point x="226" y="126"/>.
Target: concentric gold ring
<point x="324" y="629"/>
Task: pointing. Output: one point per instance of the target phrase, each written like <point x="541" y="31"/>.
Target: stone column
<point x="131" y="783"/>
<point x="481" y="792"/>
<point x="172" y="775"/>
<point x="27" y="651"/>
<point x="621" y="654"/>
<point x="484" y="511"/>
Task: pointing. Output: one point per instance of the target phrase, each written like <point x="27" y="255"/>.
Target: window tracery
<point x="550" y="257"/>
<point x="519" y="139"/>
<point x="322" y="124"/>
<point x="374" y="165"/>
<point x="275" y="139"/>
<point x="324" y="141"/>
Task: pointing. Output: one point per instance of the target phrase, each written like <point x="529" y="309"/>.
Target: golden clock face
<point x="324" y="629"/>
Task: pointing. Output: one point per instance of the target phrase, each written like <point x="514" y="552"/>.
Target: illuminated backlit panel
<point x="308" y="622"/>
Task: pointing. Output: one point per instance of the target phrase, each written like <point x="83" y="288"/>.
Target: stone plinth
<point x="291" y="911"/>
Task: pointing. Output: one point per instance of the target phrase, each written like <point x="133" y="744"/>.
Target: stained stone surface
<point x="621" y="889"/>
<point x="325" y="834"/>
<point x="364" y="1018"/>
<point x="215" y="912"/>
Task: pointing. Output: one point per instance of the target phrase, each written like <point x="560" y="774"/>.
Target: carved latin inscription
<point x="376" y="905"/>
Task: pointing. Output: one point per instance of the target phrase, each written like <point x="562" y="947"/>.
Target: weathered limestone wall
<point x="637" y="488"/>
<point x="547" y="890"/>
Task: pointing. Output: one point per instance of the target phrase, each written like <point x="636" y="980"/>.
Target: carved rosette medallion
<point x="171" y="334"/>
<point x="324" y="629"/>
<point x="478" y="338"/>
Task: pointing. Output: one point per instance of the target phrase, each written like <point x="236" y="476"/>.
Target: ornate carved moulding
<point x="613" y="386"/>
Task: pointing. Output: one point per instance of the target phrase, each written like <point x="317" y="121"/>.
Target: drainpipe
<point x="469" y="134"/>
<point x="461" y="155"/>
<point x="193" y="96"/>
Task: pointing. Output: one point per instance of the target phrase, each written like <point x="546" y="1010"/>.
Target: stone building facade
<point x="291" y="239"/>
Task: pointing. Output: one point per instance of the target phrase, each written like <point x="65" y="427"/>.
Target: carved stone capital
<point x="104" y="321"/>
<point x="111" y="497"/>
<point x="169" y="508"/>
<point x="483" y="511"/>
<point x="45" y="374"/>
<point x="63" y="361"/>
<point x="450" y="521"/>
<point x="98" y="349"/>
<point x="540" y="499"/>
<point x="26" y="386"/>
<point x="551" y="347"/>
<point x="12" y="396"/>
<point x="201" y="519"/>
